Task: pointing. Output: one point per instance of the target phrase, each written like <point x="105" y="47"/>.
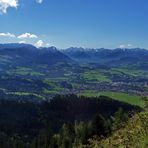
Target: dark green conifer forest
<point x="63" y="122"/>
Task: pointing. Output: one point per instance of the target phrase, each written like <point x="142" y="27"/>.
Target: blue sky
<point x="81" y="23"/>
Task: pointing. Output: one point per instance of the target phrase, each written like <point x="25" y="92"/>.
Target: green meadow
<point x="124" y="97"/>
<point x="95" y="76"/>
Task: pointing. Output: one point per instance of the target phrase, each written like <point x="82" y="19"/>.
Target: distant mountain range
<point x="107" y="56"/>
<point x="25" y="54"/>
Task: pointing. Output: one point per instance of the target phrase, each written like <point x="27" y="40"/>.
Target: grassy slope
<point x="131" y="99"/>
<point x="133" y="135"/>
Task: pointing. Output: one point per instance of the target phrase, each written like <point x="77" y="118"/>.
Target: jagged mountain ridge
<point x="25" y="54"/>
<point x="107" y="56"/>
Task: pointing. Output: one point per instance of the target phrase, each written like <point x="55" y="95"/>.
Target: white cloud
<point x="129" y="45"/>
<point x="22" y="42"/>
<point x="39" y="1"/>
<point x="5" y="4"/>
<point x="27" y="35"/>
<point x="122" y="46"/>
<point x="40" y="43"/>
<point x="47" y="44"/>
<point x="125" y="46"/>
<point x="7" y="35"/>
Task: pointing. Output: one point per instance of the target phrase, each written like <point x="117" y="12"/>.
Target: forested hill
<point x="23" y="122"/>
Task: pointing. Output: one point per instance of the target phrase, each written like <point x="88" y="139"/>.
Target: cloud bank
<point x="125" y="46"/>
<point x="27" y="36"/>
<point x="7" y="35"/>
<point x="5" y="4"/>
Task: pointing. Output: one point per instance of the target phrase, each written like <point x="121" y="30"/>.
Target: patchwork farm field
<point x="45" y="81"/>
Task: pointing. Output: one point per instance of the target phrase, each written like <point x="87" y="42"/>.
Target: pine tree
<point x="99" y="126"/>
